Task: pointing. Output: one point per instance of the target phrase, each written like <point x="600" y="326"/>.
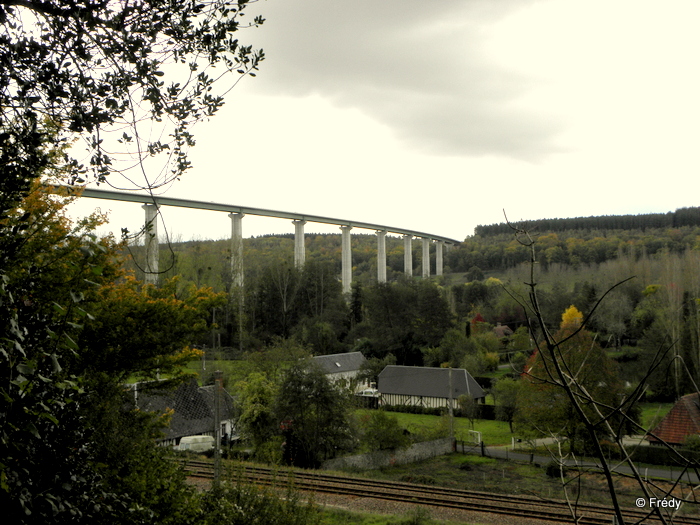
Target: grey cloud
<point x="417" y="67"/>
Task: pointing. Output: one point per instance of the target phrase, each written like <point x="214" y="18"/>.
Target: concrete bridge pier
<point x="151" y="243"/>
<point x="346" y="259"/>
<point x="237" y="248"/>
<point x="439" y="245"/>
<point x="407" y="255"/>
<point x="299" y="247"/>
<point x="381" y="256"/>
<point x="425" y="258"/>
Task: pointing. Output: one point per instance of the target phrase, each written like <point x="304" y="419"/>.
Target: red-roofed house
<point x="682" y="421"/>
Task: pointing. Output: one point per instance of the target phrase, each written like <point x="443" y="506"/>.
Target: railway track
<point x="468" y="500"/>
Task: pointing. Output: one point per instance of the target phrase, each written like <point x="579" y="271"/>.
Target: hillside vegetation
<point x="584" y="240"/>
<point x="483" y="280"/>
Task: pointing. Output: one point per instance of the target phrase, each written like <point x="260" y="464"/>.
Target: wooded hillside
<point x="681" y="217"/>
<point x="583" y="240"/>
<point x="574" y="242"/>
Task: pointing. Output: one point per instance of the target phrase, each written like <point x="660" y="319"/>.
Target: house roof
<point x="502" y="330"/>
<point x="192" y="406"/>
<point x="335" y="363"/>
<point x="428" y="382"/>
<point x="682" y="421"/>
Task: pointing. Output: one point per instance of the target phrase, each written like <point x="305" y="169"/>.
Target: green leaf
<point x="50" y="417"/>
<point x="20" y="381"/>
<point x="31" y="428"/>
<point x="27" y="369"/>
<point x="54" y="362"/>
<point x="70" y="343"/>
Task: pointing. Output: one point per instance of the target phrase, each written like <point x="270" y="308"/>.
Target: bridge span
<point x="151" y="203"/>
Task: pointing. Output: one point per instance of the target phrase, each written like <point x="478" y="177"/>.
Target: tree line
<point x="675" y="219"/>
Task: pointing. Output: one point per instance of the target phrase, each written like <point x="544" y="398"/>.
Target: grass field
<point x="498" y="432"/>
<point x="492" y="432"/>
<point x="652" y="413"/>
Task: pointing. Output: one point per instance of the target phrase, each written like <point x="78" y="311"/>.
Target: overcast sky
<point x="437" y="116"/>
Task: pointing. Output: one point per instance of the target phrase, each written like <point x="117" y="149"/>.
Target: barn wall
<point x="417" y="401"/>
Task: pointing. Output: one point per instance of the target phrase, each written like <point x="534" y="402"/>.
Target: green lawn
<point x="492" y="432"/>
<point x="652" y="413"/>
<point x="498" y="432"/>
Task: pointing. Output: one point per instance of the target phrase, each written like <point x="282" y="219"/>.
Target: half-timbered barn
<point x="426" y="386"/>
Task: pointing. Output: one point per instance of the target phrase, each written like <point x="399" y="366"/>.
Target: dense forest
<point x="417" y="321"/>
<point x="582" y="240"/>
<point x="680" y="217"/>
<point x="492" y="249"/>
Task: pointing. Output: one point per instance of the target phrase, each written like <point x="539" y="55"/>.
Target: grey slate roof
<point x="335" y="363"/>
<point x="428" y="382"/>
<point x="193" y="407"/>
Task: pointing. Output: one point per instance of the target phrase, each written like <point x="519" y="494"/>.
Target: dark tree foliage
<point x="44" y="454"/>
<point x="403" y="317"/>
<point x="498" y="251"/>
<point x="472" y="295"/>
<point x="285" y="299"/>
<point x="94" y="70"/>
<point x="314" y="415"/>
<point x="70" y="336"/>
<point x="94" y="67"/>
<point x="681" y="217"/>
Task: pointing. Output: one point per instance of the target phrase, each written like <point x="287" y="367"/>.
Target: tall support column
<point x="346" y="259"/>
<point x="381" y="256"/>
<point x="151" y="243"/>
<point x="438" y="257"/>
<point x="425" y="259"/>
<point x="407" y="255"/>
<point x="299" y="248"/>
<point x="237" y="248"/>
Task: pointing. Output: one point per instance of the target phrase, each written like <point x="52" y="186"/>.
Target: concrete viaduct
<point x="236" y="213"/>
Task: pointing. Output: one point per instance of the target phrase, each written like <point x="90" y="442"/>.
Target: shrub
<point x="554" y="470"/>
<point x="692" y="442"/>
<point x="245" y="504"/>
<point x="610" y="450"/>
<point x="491" y="361"/>
<point x="418" y="478"/>
<point x="381" y="431"/>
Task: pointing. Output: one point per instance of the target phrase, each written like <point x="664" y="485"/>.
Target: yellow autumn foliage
<point x="571" y="318"/>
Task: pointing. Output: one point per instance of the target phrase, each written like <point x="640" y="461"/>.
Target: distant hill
<point x="681" y="217"/>
<point x="581" y="240"/>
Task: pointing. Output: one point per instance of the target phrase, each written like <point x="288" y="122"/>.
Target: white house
<point x="342" y="368"/>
